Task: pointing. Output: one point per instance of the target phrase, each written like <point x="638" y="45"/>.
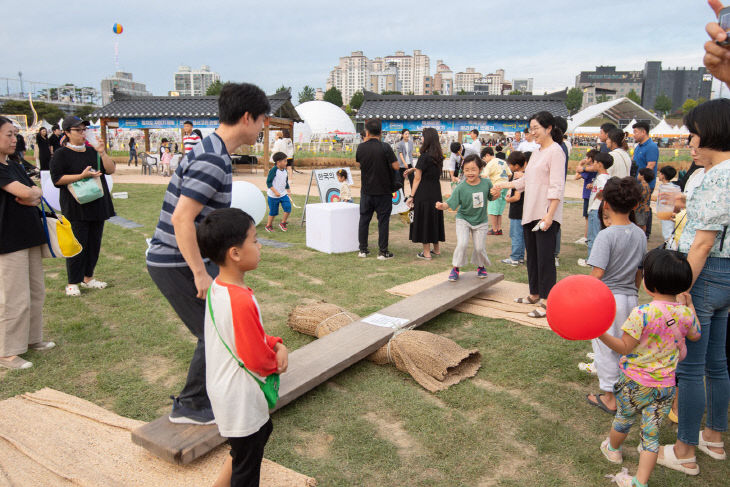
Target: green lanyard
<point x="270" y="388"/>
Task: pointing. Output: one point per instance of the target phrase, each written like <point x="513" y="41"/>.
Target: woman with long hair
<point x="43" y="149"/>
<point x="132" y="152"/>
<point x="619" y="150"/>
<point x="702" y="377"/>
<point x="22" y="288"/>
<point x="72" y="163"/>
<point x="428" y="222"/>
<point x="542" y="213"/>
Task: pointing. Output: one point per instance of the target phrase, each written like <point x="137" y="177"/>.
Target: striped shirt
<point x="204" y="175"/>
<point x="190" y="141"/>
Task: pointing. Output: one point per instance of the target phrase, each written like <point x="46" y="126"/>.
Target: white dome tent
<point x="324" y="118"/>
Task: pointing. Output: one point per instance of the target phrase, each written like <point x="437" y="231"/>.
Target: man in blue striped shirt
<point x="201" y="184"/>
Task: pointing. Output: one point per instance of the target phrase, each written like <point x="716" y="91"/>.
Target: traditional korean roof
<point x="184" y="106"/>
<point x="443" y="107"/>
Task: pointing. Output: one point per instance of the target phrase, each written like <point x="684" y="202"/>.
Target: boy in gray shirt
<point x="616" y="260"/>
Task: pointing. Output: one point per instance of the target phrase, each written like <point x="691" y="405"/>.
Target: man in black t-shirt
<point x="377" y="163"/>
<point x="54" y="141"/>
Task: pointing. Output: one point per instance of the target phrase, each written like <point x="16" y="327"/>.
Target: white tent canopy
<point x="630" y="126"/>
<point x="323" y="118"/>
<point x="663" y="129"/>
<point x="586" y="131"/>
<point x="621" y="108"/>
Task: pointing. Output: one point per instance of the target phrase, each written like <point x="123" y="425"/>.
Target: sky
<point x="297" y="43"/>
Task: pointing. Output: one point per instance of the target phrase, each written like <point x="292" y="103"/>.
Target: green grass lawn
<point x="522" y="420"/>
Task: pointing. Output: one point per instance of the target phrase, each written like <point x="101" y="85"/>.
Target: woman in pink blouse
<point x="544" y="188"/>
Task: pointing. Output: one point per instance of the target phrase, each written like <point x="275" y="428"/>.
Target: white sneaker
<point x="511" y="262"/>
<point x="588" y="367"/>
<point x="73" y="290"/>
<point x="93" y="284"/>
<point x="582" y="241"/>
<point x="582" y="263"/>
<point x="557" y="262"/>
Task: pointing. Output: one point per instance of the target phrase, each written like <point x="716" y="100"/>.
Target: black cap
<point x="73" y="121"/>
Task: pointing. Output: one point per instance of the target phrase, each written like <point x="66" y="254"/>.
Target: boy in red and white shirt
<point x="190" y="138"/>
<point x="228" y="237"/>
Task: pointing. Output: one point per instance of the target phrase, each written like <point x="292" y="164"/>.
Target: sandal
<point x="537" y="313"/>
<point x="670" y="460"/>
<point x="421" y="255"/>
<point x="600" y="404"/>
<point x="526" y="300"/>
<point x="703" y="447"/>
<point x="437" y="254"/>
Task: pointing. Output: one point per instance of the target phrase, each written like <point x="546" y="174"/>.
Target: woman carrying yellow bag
<point x="22" y="289"/>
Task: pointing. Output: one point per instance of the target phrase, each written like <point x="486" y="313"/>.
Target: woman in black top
<point x="22" y="288"/>
<point x="428" y="222"/>
<point x="43" y="149"/>
<point x="132" y="152"/>
<point x="74" y="162"/>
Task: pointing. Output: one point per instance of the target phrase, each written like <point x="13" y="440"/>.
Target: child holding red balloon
<point x="651" y="346"/>
<point x="616" y="260"/>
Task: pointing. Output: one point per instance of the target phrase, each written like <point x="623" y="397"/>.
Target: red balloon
<point x="580" y="308"/>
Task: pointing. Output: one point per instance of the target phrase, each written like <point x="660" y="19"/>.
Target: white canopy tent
<point x="663" y="129"/>
<point x="630" y="126"/>
<point x="619" y="109"/>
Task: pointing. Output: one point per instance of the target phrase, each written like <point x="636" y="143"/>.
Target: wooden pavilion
<point x="170" y="112"/>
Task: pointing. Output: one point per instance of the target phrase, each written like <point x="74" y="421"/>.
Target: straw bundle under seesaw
<point x="433" y="361"/>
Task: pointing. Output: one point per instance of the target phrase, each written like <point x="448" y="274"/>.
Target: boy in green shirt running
<point x="470" y="197"/>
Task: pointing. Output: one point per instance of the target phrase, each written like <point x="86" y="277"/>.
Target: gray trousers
<point x="466" y="232"/>
<point x="606" y="360"/>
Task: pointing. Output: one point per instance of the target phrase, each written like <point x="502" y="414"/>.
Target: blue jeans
<point x="594" y="226"/>
<point x="702" y="377"/>
<point x="518" y="239"/>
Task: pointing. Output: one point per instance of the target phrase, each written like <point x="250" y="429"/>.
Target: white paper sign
<point x="385" y="321"/>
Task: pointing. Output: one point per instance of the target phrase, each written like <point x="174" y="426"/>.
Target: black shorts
<point x="289" y="162"/>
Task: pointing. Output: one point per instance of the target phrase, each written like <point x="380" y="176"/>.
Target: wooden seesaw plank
<point x="314" y="363"/>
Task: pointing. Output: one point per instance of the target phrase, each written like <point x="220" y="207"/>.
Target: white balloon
<point x="247" y="197"/>
<point x="50" y="192"/>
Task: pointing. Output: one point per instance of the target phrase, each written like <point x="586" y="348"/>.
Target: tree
<point x="574" y="100"/>
<point x="46" y="111"/>
<point x="283" y="88"/>
<point x="391" y="92"/>
<point x="601" y="98"/>
<point x="436" y="92"/>
<point x="307" y="94"/>
<point x="334" y="96"/>
<point x="515" y="92"/>
<point x="701" y="100"/>
<point x="462" y="92"/>
<point x="634" y="96"/>
<point x="356" y="100"/>
<point x="688" y="105"/>
<point x="663" y="104"/>
<point x="85" y="111"/>
<point x="214" y="89"/>
<point x="348" y="109"/>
